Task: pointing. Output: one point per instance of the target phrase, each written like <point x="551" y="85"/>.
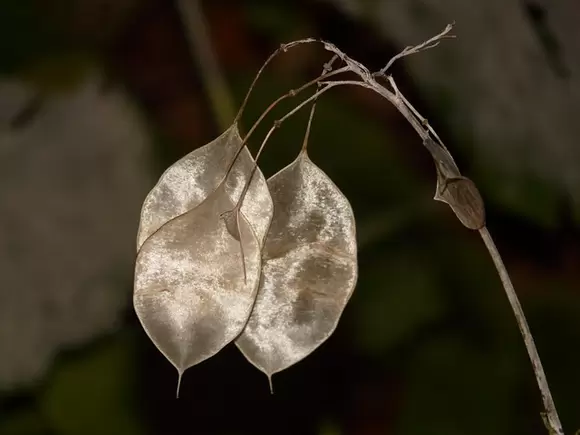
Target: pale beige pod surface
<point x="195" y="282"/>
<point x="309" y="268"/>
<point x="190" y="292"/>
<point x="190" y="180"/>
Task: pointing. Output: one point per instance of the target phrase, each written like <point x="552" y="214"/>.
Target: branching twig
<point x="430" y="43"/>
<point x="326" y="72"/>
<point x="291" y="93"/>
<point x="282" y="49"/>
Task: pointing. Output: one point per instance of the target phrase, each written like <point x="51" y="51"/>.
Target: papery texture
<point x="189" y="181"/>
<point x="309" y="268"/>
<point x="197" y="271"/>
<point x="457" y="191"/>
<point x="191" y="294"/>
<point x="462" y="195"/>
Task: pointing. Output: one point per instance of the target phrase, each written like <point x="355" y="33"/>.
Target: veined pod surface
<point x="309" y="268"/>
<point x="190" y="180"/>
<point x="193" y="294"/>
<point x="196" y="276"/>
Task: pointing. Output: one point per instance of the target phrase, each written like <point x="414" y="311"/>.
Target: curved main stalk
<point x="551" y="419"/>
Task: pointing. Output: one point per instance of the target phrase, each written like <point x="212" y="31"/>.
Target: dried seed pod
<point x="197" y="274"/>
<point x="463" y="197"/>
<point x="190" y="180"/>
<point x="192" y="294"/>
<point x="309" y="268"/>
<point x="457" y="191"/>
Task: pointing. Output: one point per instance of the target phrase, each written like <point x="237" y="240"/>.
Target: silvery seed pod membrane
<point x="190" y="180"/>
<point x="195" y="283"/>
<point x="190" y="292"/>
<point x="309" y="268"/>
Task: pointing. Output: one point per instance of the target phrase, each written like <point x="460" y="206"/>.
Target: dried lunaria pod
<point x="190" y="180"/>
<point x="195" y="282"/>
<point x="309" y="268"/>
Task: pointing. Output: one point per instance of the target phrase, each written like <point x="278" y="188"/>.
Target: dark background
<point x="427" y="344"/>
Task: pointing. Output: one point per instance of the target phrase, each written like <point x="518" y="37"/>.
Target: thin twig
<point x="215" y="84"/>
<point x="551" y="418"/>
<point x="423" y="120"/>
<point x="327" y="68"/>
<point x="430" y="43"/>
<point x="291" y="93"/>
<point x="308" y="127"/>
<point x="325" y="74"/>
<point x="282" y="49"/>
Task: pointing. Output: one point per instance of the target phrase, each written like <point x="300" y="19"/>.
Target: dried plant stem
<point x="326" y="72"/>
<point x="293" y="93"/>
<point x="308" y="127"/>
<point x="289" y="94"/>
<point x="327" y="67"/>
<point x="282" y="49"/>
<point x="430" y="43"/>
<point x="197" y="36"/>
<point x="279" y="122"/>
<point x="551" y="419"/>
<point x="444" y="162"/>
<point x="277" y="125"/>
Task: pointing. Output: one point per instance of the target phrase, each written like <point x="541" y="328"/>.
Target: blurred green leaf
<point x="35" y="45"/>
<point x="523" y="195"/>
<point x="396" y="295"/>
<point x="328" y="427"/>
<point x="356" y="151"/>
<point x="59" y="73"/>
<point x="455" y="387"/>
<point x="26" y="422"/>
<point x="31" y="30"/>
<point x="472" y="285"/>
<point x="94" y="393"/>
<point x="277" y="20"/>
<point x="24" y="35"/>
<point x="553" y="319"/>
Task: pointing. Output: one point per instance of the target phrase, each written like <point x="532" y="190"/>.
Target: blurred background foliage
<point x="427" y="344"/>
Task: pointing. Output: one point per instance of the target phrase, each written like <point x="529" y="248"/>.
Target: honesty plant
<point x="224" y="255"/>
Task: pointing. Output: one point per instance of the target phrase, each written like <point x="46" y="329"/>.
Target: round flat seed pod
<point x="309" y="268"/>
<point x="194" y="287"/>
